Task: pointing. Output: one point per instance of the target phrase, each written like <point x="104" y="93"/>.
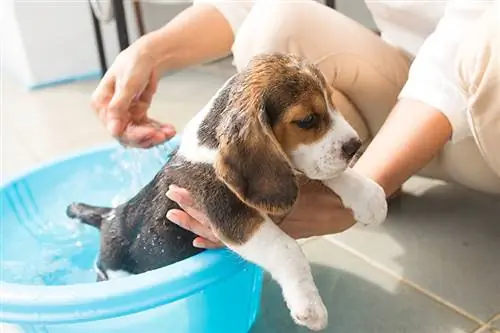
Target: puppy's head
<point x="279" y="118"/>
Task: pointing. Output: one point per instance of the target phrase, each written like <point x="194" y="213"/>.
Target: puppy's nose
<point x="351" y="147"/>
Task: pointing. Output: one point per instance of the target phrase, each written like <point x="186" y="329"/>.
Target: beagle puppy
<point x="239" y="158"/>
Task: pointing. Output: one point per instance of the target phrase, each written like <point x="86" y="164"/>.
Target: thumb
<point x="116" y="127"/>
<point x="185" y="201"/>
<point x="118" y="110"/>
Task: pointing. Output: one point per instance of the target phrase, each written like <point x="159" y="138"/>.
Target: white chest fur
<point x="190" y="147"/>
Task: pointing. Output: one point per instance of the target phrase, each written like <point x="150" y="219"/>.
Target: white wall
<point x="58" y="39"/>
<point x="50" y="41"/>
<point x="47" y="41"/>
<point x="14" y="61"/>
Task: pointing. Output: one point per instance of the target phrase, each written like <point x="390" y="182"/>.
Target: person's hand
<point x="124" y="95"/>
<point x="191" y="219"/>
<point x="317" y="212"/>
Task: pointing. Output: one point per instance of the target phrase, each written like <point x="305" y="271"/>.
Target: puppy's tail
<point x="90" y="215"/>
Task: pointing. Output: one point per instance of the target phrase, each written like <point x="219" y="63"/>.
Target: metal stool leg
<point x="99" y="42"/>
<point x="330" y="3"/>
<point x="121" y="24"/>
<point x="139" y="20"/>
<point x="121" y="29"/>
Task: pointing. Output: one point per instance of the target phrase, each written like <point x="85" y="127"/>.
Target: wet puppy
<point x="239" y="158"/>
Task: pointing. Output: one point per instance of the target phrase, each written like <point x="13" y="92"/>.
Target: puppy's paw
<point x="370" y="207"/>
<point x="308" y="310"/>
<point x="314" y="317"/>
<point x="362" y="195"/>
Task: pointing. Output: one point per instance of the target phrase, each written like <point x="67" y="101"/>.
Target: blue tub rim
<point x="65" y="304"/>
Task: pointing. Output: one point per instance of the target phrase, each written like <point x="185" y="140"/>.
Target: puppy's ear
<point x="252" y="164"/>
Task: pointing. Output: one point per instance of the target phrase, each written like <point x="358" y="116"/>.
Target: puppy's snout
<point x="351" y="147"/>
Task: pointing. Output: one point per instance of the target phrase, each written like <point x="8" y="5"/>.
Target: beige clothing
<point x="431" y="31"/>
<point x="368" y="74"/>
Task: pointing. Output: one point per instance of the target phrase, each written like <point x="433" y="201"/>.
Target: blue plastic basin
<point x="46" y="272"/>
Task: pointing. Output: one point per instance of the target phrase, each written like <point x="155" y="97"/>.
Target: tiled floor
<point x="433" y="267"/>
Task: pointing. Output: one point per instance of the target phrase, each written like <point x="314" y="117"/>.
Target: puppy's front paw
<point x="362" y="195"/>
<point x="370" y="207"/>
<point x="308" y="310"/>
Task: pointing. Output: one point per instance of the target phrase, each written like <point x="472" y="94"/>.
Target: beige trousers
<point x="367" y="75"/>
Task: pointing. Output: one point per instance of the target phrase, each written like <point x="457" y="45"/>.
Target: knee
<point x="271" y="26"/>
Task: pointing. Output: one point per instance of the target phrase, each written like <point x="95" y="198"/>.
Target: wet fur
<point x="137" y="237"/>
<point x="238" y="159"/>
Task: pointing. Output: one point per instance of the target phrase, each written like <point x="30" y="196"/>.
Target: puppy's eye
<point x="308" y="122"/>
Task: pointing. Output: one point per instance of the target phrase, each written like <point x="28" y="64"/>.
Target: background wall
<point x="45" y="42"/>
<point x="13" y="55"/>
<point x="49" y="41"/>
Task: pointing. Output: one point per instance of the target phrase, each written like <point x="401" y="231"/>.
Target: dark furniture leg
<point x="330" y="3"/>
<point x="121" y="24"/>
<point x="99" y="42"/>
<point x="138" y="17"/>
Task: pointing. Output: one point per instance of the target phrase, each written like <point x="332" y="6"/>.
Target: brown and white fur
<point x="239" y="158"/>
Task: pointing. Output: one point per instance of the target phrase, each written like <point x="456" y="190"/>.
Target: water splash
<point x="61" y="250"/>
<point x="134" y="165"/>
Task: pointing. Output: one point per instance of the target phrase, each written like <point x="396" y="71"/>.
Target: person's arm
<point x="430" y="111"/>
<point x="411" y="136"/>
<point x="432" y="108"/>
<point x="202" y="32"/>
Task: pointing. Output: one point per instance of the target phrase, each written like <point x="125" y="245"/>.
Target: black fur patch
<point x="207" y="131"/>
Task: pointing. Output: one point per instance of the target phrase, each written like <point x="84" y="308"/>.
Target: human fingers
<point x="330" y="216"/>
<point x="103" y="92"/>
<point x="142" y="101"/>
<point x="206" y="244"/>
<point x="183" y="198"/>
<point x="117" y="114"/>
<point x="146" y="135"/>
<point x="185" y="221"/>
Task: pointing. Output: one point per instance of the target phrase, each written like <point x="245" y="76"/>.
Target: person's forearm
<point x="198" y="34"/>
<point x="412" y="135"/>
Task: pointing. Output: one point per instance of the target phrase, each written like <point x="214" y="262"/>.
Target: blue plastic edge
<point x="95" y="301"/>
<point x="93" y="75"/>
